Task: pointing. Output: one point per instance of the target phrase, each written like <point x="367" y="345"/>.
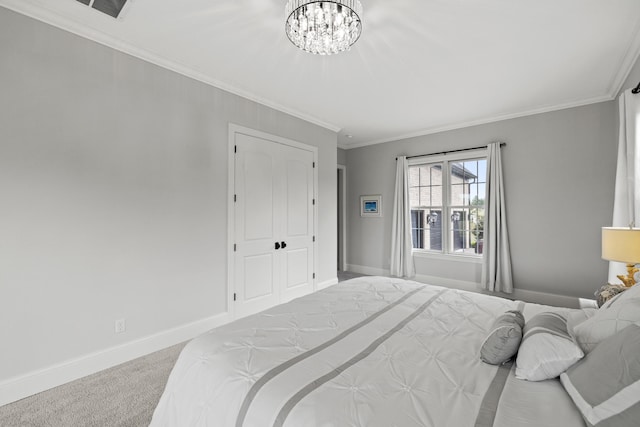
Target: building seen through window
<point x="447" y="210"/>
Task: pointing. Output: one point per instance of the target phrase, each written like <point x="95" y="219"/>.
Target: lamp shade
<point x="621" y="244"/>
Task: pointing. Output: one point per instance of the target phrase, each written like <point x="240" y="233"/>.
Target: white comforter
<point x="369" y="352"/>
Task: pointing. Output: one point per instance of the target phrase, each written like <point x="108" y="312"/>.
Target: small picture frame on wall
<point x="371" y="206"/>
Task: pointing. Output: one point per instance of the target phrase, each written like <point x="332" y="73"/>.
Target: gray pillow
<point x="605" y="385"/>
<point x="504" y="339"/>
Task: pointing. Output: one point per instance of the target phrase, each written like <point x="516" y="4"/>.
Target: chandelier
<point x="323" y="27"/>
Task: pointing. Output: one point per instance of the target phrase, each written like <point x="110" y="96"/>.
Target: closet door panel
<point x="297" y="268"/>
<point x="257" y="218"/>
<point x="259" y="206"/>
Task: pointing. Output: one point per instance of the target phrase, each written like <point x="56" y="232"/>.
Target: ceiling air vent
<point x="110" y="7"/>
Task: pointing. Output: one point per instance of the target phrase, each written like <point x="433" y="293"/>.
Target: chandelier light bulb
<point x="323" y="27"/>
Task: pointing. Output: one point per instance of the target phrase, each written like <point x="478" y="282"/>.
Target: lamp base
<point x="628" y="280"/>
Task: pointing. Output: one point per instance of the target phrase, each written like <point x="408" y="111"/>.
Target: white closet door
<point x="257" y="273"/>
<point x="297" y="224"/>
<point x="273" y="223"/>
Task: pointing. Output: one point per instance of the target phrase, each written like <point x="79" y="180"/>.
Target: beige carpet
<point x="124" y="395"/>
<point x="346" y="275"/>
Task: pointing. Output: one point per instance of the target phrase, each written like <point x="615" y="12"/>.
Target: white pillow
<point x="618" y="313"/>
<point x="547" y="349"/>
<point x="576" y="317"/>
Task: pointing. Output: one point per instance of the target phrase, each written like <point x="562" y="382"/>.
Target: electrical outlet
<point x="121" y="326"/>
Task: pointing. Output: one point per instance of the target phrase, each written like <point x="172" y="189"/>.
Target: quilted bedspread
<point x="372" y="351"/>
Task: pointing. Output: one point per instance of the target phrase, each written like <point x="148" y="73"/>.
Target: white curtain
<point x="401" y="245"/>
<point x="496" y="262"/>
<point x="626" y="203"/>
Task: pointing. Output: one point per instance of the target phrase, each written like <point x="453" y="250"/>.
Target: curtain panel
<point x="401" y="244"/>
<point x="496" y="261"/>
<point x="626" y="203"/>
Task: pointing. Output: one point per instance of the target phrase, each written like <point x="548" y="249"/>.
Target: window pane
<point x="436" y="195"/>
<point x="459" y="232"/>
<point x="425" y="199"/>
<point x="466" y="231"/>
<point x="434" y="224"/>
<point x="471" y="168"/>
<point x="417" y="228"/>
<point x="482" y="194"/>
<point x="425" y="185"/>
<point x="425" y="178"/>
<point x="414" y="199"/>
<point x="467" y="180"/>
<point x="414" y="174"/>
<point x="426" y="229"/>
<point x="457" y="194"/>
<point x="482" y="170"/>
<point x="436" y="174"/>
<point x="477" y="229"/>
<point x="473" y="193"/>
<point x="425" y="196"/>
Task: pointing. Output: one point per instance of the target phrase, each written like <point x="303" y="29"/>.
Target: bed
<point x="371" y="351"/>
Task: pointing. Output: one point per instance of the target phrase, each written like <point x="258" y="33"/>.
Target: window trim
<point x="445" y="159"/>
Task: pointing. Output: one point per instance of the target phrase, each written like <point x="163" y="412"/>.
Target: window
<point x="447" y="208"/>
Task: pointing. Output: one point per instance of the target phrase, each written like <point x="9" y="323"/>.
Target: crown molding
<point x="40" y="13"/>
<point x="492" y="119"/>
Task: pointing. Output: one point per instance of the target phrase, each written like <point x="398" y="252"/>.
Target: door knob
<point x="277" y="245"/>
<point x="283" y="244"/>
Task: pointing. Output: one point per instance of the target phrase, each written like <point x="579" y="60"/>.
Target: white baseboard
<point x="35" y="382"/>
<point x="518" y="294"/>
<point x="327" y="283"/>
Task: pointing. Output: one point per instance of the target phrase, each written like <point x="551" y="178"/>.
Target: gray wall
<point x="342" y="157"/>
<point x="559" y="171"/>
<point x="113" y="189"/>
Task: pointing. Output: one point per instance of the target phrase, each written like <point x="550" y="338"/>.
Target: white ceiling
<point x="420" y="67"/>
